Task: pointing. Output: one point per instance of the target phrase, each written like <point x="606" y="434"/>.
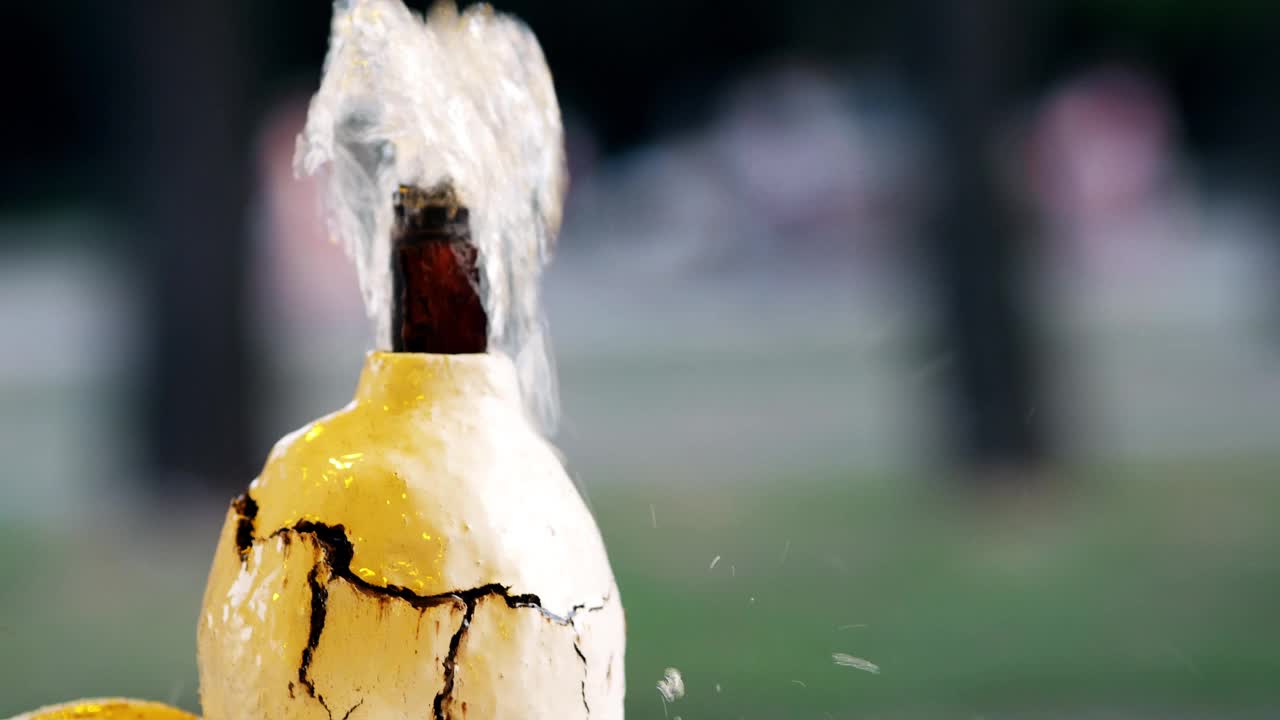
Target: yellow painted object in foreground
<point x="108" y="709"/>
<point x="418" y="554"/>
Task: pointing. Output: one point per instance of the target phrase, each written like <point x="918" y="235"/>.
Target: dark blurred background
<point x="951" y="327"/>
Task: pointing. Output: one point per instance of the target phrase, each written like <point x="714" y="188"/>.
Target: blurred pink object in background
<point x="306" y="281"/>
<point x="1103" y="167"/>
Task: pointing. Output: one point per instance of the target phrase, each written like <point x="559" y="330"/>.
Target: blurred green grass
<point x="1144" y="591"/>
<point x="1141" y="588"/>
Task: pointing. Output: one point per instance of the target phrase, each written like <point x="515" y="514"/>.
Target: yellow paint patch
<point x="108" y="709"/>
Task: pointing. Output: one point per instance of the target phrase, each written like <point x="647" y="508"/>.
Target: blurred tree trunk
<point x="1266" y="129"/>
<point x="193" y="153"/>
<point x="970" y="55"/>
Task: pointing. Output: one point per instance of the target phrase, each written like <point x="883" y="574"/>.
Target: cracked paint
<point x="314" y="599"/>
<point x="335" y="566"/>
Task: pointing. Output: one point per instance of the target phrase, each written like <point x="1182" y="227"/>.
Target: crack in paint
<point x="451" y="662"/>
<point x="347" y="715"/>
<point x="583" y="658"/>
<point x="319" y="611"/>
<point x="337" y="553"/>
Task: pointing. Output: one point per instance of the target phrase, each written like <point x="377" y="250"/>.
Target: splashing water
<point x="857" y="663"/>
<point x="465" y="99"/>
<point x="671" y="686"/>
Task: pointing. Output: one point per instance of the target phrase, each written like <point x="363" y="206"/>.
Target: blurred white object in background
<point x="70" y="319"/>
<point x="825" y="163"/>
